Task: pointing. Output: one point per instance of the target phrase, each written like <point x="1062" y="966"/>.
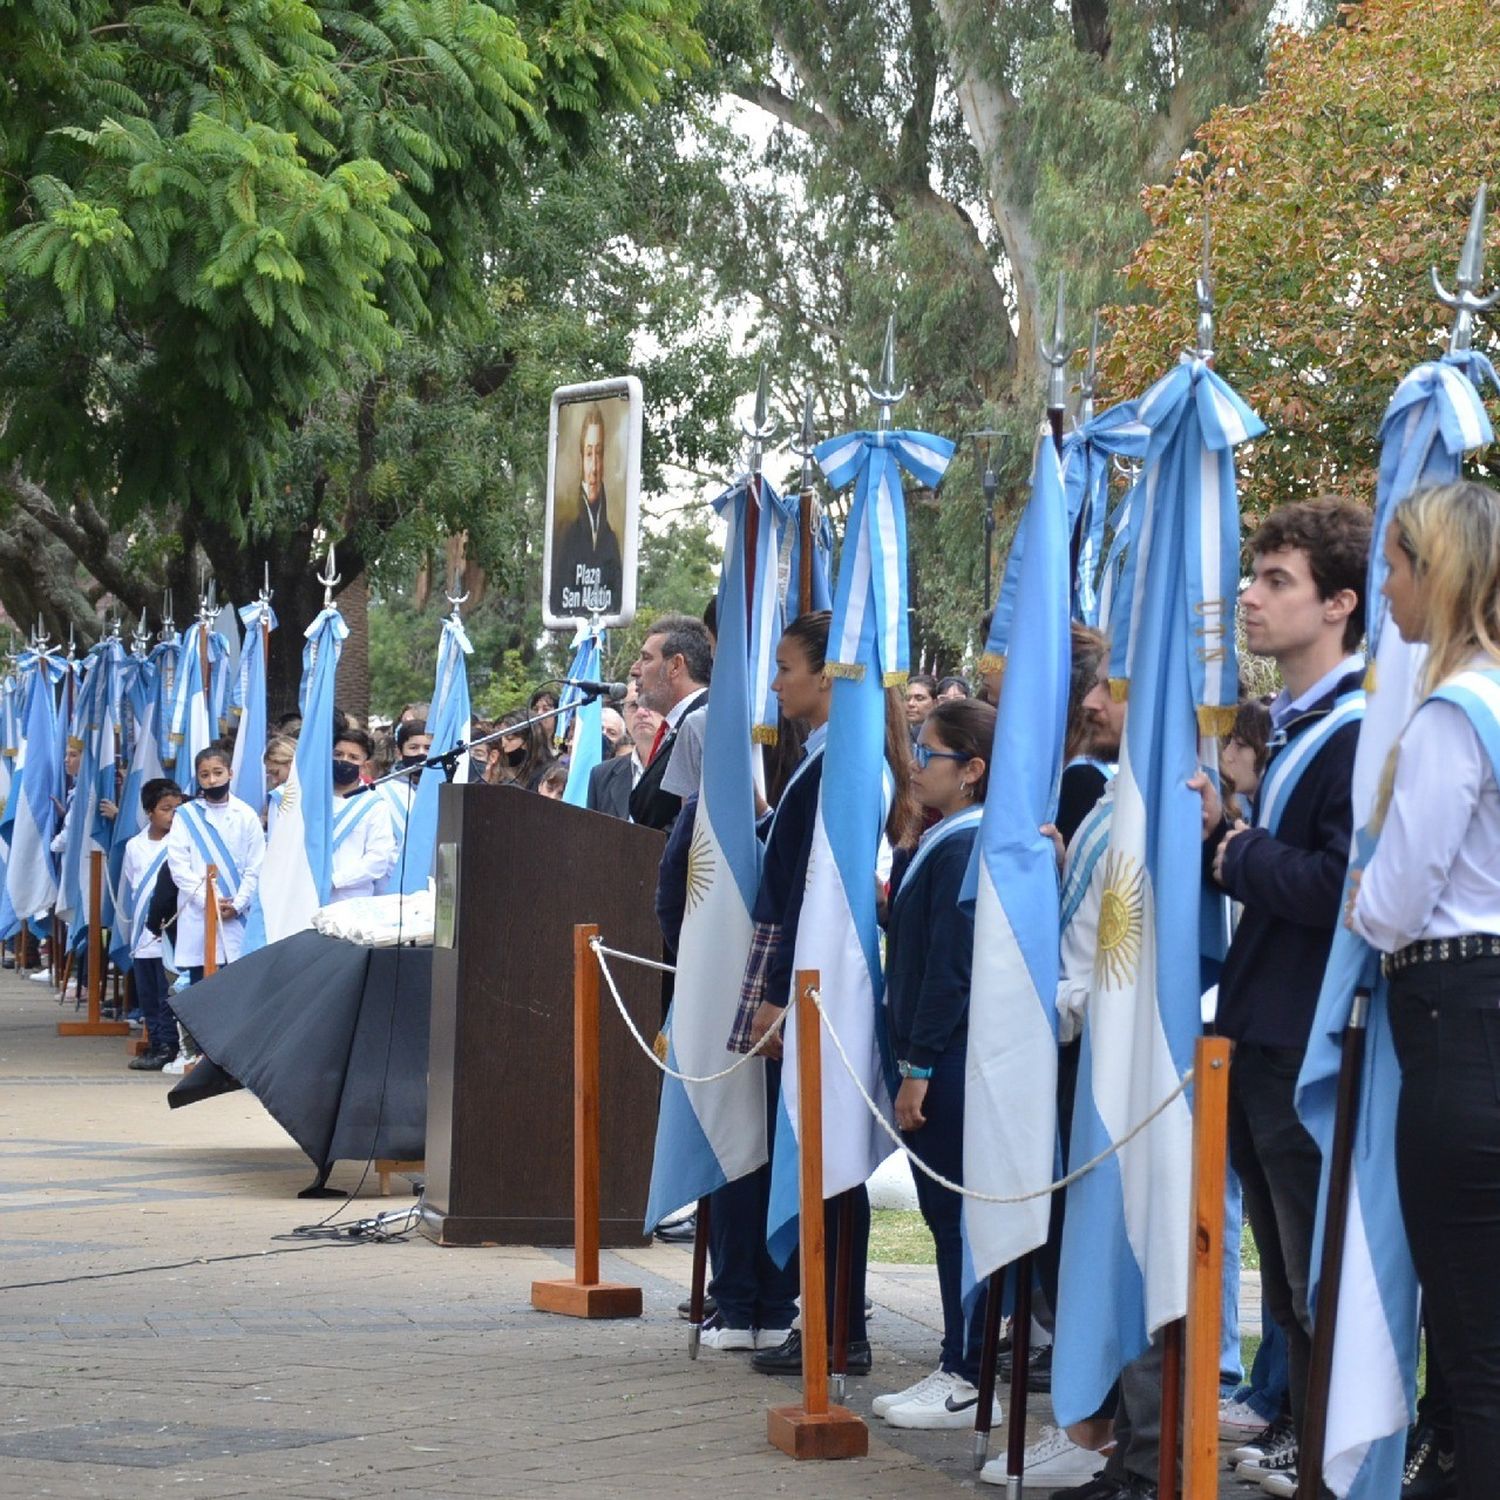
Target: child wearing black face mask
<point x="218" y="829"/>
<point x="413" y="745"/>
<point x="364" y="839"/>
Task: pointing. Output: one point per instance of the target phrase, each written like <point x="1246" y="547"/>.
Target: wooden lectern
<point x="516" y="872"/>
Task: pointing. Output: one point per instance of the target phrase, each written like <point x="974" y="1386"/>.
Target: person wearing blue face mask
<point x="364" y="839"/>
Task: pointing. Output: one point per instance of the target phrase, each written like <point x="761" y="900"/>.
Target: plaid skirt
<point x="764" y="938"/>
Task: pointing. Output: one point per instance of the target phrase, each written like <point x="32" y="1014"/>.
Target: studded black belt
<point x="1441" y="951"/>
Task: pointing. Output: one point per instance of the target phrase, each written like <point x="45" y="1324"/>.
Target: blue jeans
<point x="940" y="1143"/>
<point x="752" y="1291"/>
<point x="1231" y="1365"/>
<point x="151" y="996"/>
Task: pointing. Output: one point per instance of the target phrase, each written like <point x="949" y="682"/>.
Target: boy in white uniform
<point x="215" y="828"/>
<point x="364" y="840"/>
<point x="145" y="858"/>
<point x="399" y="793"/>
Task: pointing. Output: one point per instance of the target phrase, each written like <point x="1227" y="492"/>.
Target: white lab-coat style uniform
<point x="239" y="828"/>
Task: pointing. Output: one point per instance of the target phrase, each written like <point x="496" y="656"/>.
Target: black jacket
<point x="609" y="787"/>
<point x="1291" y="886"/>
<point x="649" y="805"/>
<point x="928" y="955"/>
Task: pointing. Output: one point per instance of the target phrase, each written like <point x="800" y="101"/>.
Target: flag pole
<point x="807" y="504"/>
<point x="94" y="1025"/>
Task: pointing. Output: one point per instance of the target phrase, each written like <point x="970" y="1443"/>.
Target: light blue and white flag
<point x="1125" y="1250"/>
<point x="296" y="875"/>
<point x="247" y="777"/>
<point x="1086" y="456"/>
<point x="30" y="876"/>
<point x="448" y="722"/>
<point x="162" y="673"/>
<point x="837" y="933"/>
<point x="1435" y="417"/>
<point x="711" y="1134"/>
<point x="789" y="552"/>
<point x="1010" y="1100"/>
<point x="145" y="765"/>
<point x="580" y="719"/>
<point x="195" y="722"/>
<point x="96" y="736"/>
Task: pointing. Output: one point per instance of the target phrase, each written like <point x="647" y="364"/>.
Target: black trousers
<point x="1445" y="1019"/>
<point x="1279" y="1167"/>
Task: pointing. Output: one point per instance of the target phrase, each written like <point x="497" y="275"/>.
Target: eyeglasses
<point x="924" y="756"/>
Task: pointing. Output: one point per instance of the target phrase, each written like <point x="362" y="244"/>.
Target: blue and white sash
<point x="1477" y="693"/>
<point x="350" y="813"/>
<point x="1285" y="770"/>
<point x="211" y="846"/>
<point x="1089" y="846"/>
<point x="1108" y="769"/>
<point x="140" y="897"/>
<point x="397" y="802"/>
<point x="937" y="834"/>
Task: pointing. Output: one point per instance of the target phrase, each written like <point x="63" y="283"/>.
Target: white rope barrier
<point x="875" y="1110"/>
<point x="600" y="950"/>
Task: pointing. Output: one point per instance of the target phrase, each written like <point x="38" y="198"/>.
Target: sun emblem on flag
<point x="1121" y="921"/>
<point x="700" y="870"/>
<point x="291" y="795"/>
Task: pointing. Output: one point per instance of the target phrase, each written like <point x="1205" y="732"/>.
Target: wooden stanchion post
<point x="1200" y="1456"/>
<point x="211" y="921"/>
<point x="815" y="1429"/>
<point x="95" y="1025"/>
<point x="1171" y="1409"/>
<point x="585" y="1296"/>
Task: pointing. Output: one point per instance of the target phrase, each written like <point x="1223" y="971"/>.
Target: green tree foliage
<point x="1331" y="197"/>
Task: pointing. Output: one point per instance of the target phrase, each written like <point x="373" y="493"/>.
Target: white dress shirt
<point x="367" y="854"/>
<point x="1436" y="871"/>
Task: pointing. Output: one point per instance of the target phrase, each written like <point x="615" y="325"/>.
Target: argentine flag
<point x="1010" y="1103"/>
<point x="145" y="765"/>
<point x="708" y="1135"/>
<point x="582" y="723"/>
<point x="837" y="932"/>
<point x="96" y="731"/>
<point x="247" y="777"/>
<point x="1434" y="418"/>
<point x="297" y="872"/>
<point x="1125" y="1250"/>
<point x="448" y="723"/>
<point x="30" y="880"/>
<point x="195" y="725"/>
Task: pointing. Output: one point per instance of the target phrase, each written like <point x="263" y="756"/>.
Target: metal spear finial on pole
<point x="168" y="624"/>
<point x="266" y="591"/>
<point x="329" y="578"/>
<point x="207" y="602"/>
<point x="140" y="638"/>
<point x="1466" y="302"/>
<point x="806" y="440"/>
<point x="762" y="429"/>
<point x="1057" y="353"/>
<point x="1204" y="344"/>
<point x="456" y="599"/>
<point x="1088" y="385"/>
<point x="988" y="440"/>
<point x="887" y="394"/>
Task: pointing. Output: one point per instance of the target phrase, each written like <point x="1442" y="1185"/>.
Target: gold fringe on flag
<point x="1119" y="689"/>
<point x="1215" y="720"/>
<point x="659" y="1046"/>
<point x="852" y="671"/>
<point x="991" y="663"/>
<point x="764" y="734"/>
<point x="894" y="679"/>
<point x="1370" y="678"/>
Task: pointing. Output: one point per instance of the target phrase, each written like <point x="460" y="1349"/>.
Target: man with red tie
<point x="671" y="676"/>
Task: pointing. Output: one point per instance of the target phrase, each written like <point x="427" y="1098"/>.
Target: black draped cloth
<point x="330" y="1036"/>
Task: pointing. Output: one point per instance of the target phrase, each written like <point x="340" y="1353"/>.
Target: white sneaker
<point x="42" y="976"/>
<point x="1053" y="1461"/>
<point x="1238" y="1419"/>
<point x="179" y="1065"/>
<point x="1283" y="1485"/>
<point x="716" y="1336"/>
<point x="950" y="1403"/>
<point x="771" y="1338"/>
<point x="70" y="990"/>
<point x="1280" y="1459"/>
<point x="883" y="1404"/>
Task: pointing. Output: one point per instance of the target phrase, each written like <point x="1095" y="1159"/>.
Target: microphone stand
<point x="448" y="760"/>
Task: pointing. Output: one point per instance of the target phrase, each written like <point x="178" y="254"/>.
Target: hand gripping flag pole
<point x="1364" y="1290"/>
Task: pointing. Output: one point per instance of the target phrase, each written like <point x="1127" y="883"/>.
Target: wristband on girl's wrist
<point x="910" y="1070"/>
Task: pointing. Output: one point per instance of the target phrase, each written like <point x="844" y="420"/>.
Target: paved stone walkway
<point x="158" y="1336"/>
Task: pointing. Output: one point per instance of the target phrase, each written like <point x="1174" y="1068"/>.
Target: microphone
<point x="612" y="692"/>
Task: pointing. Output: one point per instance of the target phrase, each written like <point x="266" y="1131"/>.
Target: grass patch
<point x="901" y="1236"/>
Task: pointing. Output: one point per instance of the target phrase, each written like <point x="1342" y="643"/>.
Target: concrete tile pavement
<point x="160" y="1336"/>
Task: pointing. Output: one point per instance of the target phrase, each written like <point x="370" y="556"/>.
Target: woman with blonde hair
<point x="1429" y="900"/>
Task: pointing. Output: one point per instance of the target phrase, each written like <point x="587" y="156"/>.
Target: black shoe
<point x="682" y="1232"/>
<point x="685" y="1308"/>
<point x="1039" y="1371"/>
<point x="786" y="1357"/>
<point x="150" y="1062"/>
<point x="1430" y="1473"/>
<point x="1098" y="1488"/>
